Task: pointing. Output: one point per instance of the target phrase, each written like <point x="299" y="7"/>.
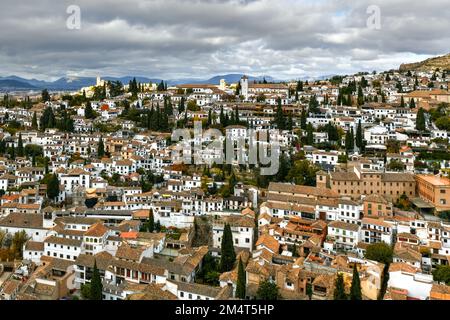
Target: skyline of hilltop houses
<point x="96" y="182"/>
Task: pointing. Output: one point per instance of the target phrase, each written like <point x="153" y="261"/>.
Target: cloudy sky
<point x="286" y="39"/>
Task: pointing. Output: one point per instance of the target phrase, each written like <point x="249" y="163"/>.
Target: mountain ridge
<point x="431" y="64"/>
<point x="76" y="83"/>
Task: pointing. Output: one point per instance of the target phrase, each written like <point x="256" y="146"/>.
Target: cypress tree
<point x="349" y="141"/>
<point x="355" y="291"/>
<point x="420" y="121"/>
<point x="46" y="160"/>
<point x="181" y="107"/>
<point x="228" y="255"/>
<point x="303" y="119"/>
<point x="313" y="105"/>
<point x="20" y="151"/>
<point x="89" y="112"/>
<point x="309" y="134"/>
<point x="290" y="123"/>
<point x="34" y="123"/>
<point x="360" y="96"/>
<point x="151" y="221"/>
<point x="412" y="103"/>
<point x="96" y="284"/>
<point x="101" y="148"/>
<point x="279" y="117"/>
<point x="12" y="152"/>
<point x="359" y="136"/>
<point x="53" y="187"/>
<point x="339" y="288"/>
<point x="236" y="116"/>
<point x="241" y="282"/>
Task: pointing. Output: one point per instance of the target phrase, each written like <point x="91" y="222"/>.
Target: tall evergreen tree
<point x="420" y="121"/>
<point x="101" y="148"/>
<point x="313" y="105"/>
<point x="236" y="116"/>
<point x="89" y="112"/>
<point x="355" y="291"/>
<point x="181" y="107"/>
<point x="12" y="152"/>
<point x="303" y="119"/>
<point x="402" y="102"/>
<point x="34" y="123"/>
<point x="280" y="120"/>
<point x="290" y="123"/>
<point x="151" y="221"/>
<point x="359" y="136"/>
<point x="46" y="169"/>
<point x="412" y="104"/>
<point x="339" y="288"/>
<point x="309" y="134"/>
<point x="228" y="255"/>
<point x="96" y="284"/>
<point x="360" y="96"/>
<point x="53" y="187"/>
<point x="347" y="141"/>
<point x="20" y="150"/>
<point x="241" y="281"/>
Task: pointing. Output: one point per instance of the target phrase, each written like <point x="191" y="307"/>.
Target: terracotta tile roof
<point x="269" y="242"/>
<point x="126" y="252"/>
<point x="96" y="230"/>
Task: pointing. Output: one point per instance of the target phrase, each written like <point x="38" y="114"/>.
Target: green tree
<point x="267" y="291"/>
<point x="355" y="290"/>
<point x="53" y="187"/>
<point x="360" y="96"/>
<point x="101" y="148"/>
<point x="20" y="150"/>
<point x="380" y="252"/>
<point x="89" y="113"/>
<point x="402" y="102"/>
<point x="309" y="134"/>
<point x="349" y="141"/>
<point x="86" y="291"/>
<point x="241" y="281"/>
<point x="45" y="95"/>
<point x="280" y="120"/>
<point x="96" y="284"/>
<point x="313" y="105"/>
<point x="339" y="288"/>
<point x="442" y="274"/>
<point x="420" y="121"/>
<point x="303" y="119"/>
<point x="359" y="136"/>
<point x="34" y="123"/>
<point x="303" y="173"/>
<point x="151" y="222"/>
<point x="309" y="291"/>
<point x="228" y="255"/>
<point x="12" y="153"/>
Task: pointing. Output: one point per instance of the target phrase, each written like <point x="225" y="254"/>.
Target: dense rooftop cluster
<point x="94" y="204"/>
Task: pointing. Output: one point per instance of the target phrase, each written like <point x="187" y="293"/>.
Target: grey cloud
<point x="171" y="38"/>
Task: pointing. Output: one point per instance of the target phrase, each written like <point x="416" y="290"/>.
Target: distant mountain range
<point x="442" y="62"/>
<point x="14" y="83"/>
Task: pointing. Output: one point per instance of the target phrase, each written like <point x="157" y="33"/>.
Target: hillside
<point x="443" y="63"/>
